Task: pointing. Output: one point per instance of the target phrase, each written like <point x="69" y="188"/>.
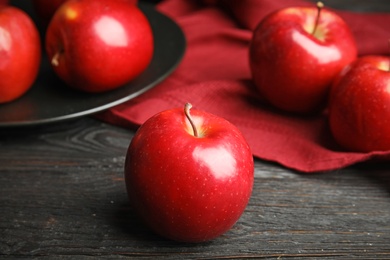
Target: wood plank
<point x="62" y="194"/>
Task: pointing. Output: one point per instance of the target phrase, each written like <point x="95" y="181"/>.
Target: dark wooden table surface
<point x="62" y="195"/>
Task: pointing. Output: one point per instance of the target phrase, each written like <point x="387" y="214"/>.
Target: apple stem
<point x="187" y="108"/>
<point x="320" y="5"/>
<point x="54" y="60"/>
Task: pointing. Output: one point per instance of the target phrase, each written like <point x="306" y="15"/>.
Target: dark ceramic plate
<point x="49" y="100"/>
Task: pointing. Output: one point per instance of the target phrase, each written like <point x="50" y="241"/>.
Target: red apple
<point x="359" y="108"/>
<point x="20" y="53"/>
<point x="99" y="45"/>
<point x="4" y="2"/>
<point x="189" y="183"/>
<point x="45" y="9"/>
<point x="295" y="54"/>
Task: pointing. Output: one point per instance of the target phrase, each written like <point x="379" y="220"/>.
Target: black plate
<point x="50" y="100"/>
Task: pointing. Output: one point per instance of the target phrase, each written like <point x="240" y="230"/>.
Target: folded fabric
<point x="214" y="76"/>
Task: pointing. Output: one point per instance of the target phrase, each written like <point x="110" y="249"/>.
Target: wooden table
<point x="62" y="195"/>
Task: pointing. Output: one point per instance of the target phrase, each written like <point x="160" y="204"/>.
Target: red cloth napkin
<point x="214" y="76"/>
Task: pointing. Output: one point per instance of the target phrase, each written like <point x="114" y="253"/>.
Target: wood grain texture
<point x="62" y="195"/>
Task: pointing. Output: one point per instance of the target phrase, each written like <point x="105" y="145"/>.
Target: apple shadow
<point x="131" y="227"/>
<point x="126" y="220"/>
<point x="375" y="172"/>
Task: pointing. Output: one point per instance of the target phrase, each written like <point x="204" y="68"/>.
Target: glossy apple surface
<point x="45" y="9"/>
<point x="293" y="67"/>
<point x="359" y="108"/>
<point x="20" y="53"/>
<point x="99" y="45"/>
<point x="189" y="188"/>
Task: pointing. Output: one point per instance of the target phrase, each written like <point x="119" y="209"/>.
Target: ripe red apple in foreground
<point x="359" y="108"/>
<point x="45" y="9"/>
<point x="99" y="45"/>
<point x="20" y="53"/>
<point x="295" y="54"/>
<point x="189" y="183"/>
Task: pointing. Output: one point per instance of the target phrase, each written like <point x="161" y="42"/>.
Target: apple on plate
<point x="45" y="9"/>
<point x="20" y="53"/>
<point x="295" y="54"/>
<point x="359" y="106"/>
<point x="99" y="45"/>
<point x="189" y="174"/>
